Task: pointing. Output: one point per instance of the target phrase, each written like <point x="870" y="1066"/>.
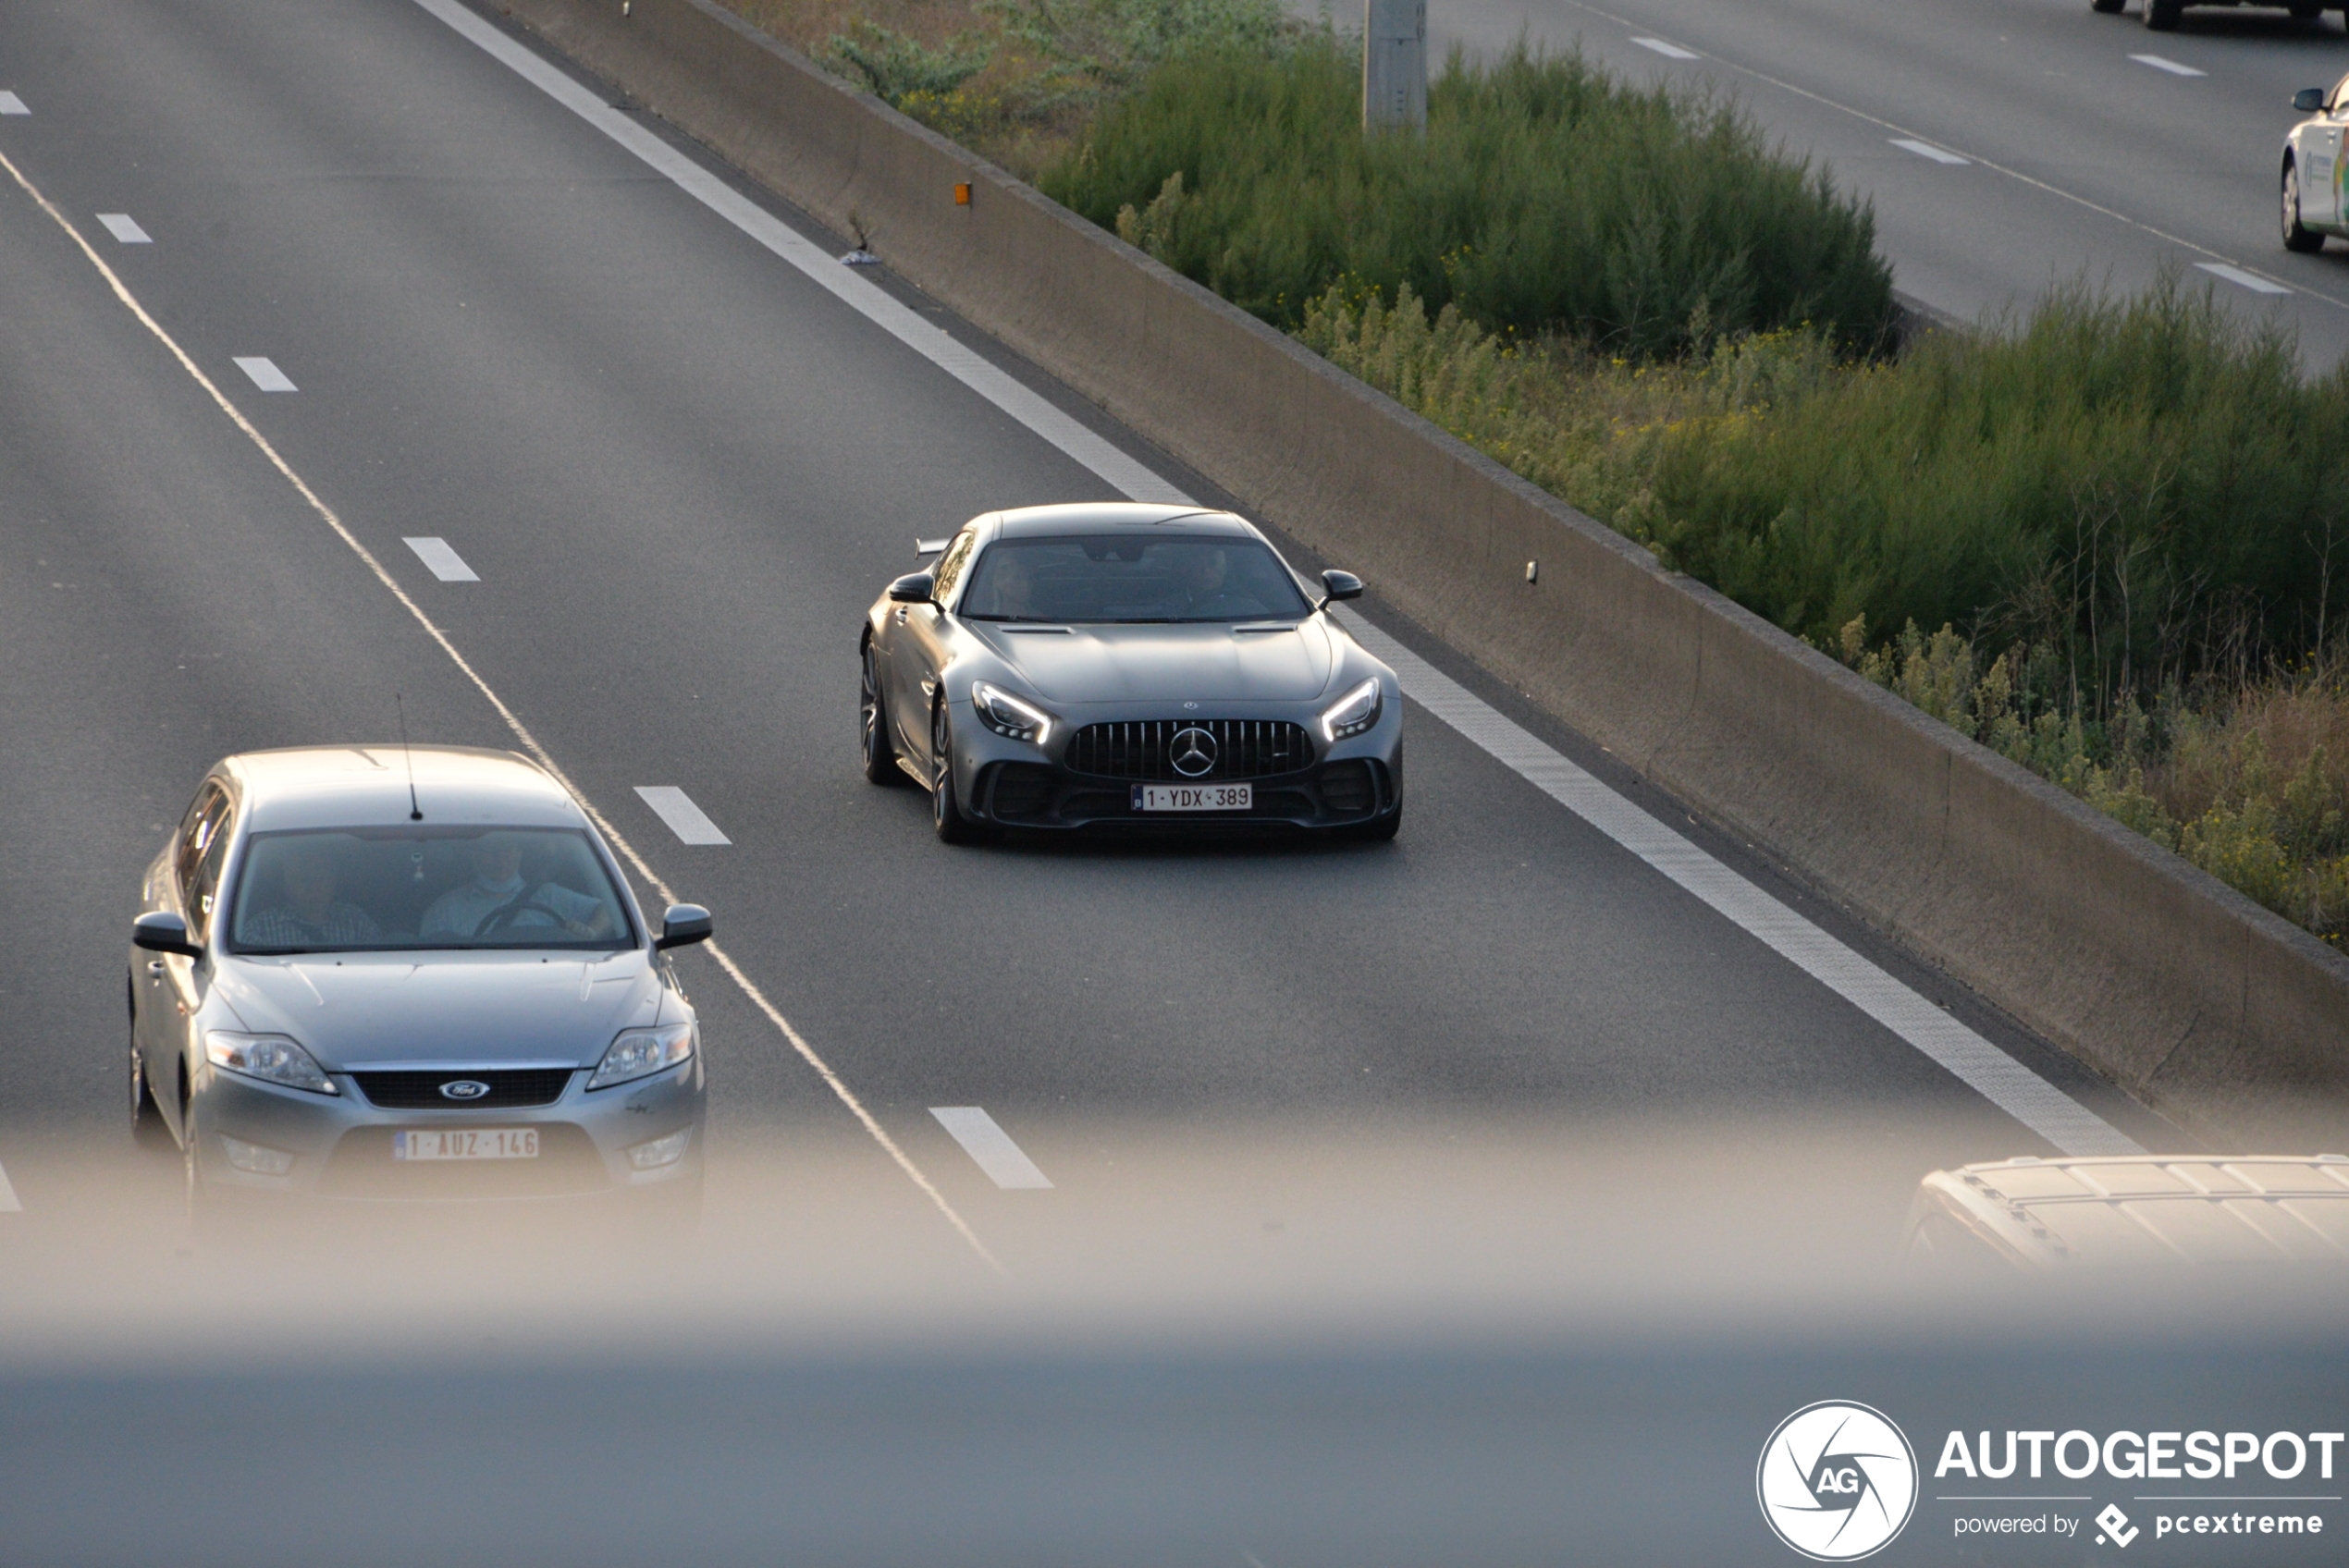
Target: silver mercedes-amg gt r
<point x="1132" y="667"/>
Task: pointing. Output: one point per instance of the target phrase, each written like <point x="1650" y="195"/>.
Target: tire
<point x="2295" y="236"/>
<point x="2163" y="16"/>
<point x="2104" y="7"/>
<point x="881" y="754"/>
<point x="945" y="810"/>
<point x="2303" y="13"/>
<point x="147" y="1129"/>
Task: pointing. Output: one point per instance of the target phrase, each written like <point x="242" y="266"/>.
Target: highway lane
<point x="2083" y="161"/>
<point x="678" y="471"/>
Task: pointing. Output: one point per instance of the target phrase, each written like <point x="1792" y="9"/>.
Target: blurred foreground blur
<point x="1405" y="1343"/>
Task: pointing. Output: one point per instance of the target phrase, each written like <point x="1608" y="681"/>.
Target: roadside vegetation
<point x="2104" y="538"/>
<point x="1545" y="196"/>
<point x="2124" y="517"/>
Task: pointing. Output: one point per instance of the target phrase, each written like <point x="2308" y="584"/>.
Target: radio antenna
<point x="415" y="811"/>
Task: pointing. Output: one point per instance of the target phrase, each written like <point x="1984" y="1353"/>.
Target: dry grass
<point x="1008" y="113"/>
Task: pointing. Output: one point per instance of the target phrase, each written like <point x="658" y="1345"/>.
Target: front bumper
<point x="341" y="1147"/>
<point x="1339" y="792"/>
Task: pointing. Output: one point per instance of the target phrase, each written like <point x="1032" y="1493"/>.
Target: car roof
<point x="2129" y="1209"/>
<point x="367" y="787"/>
<point x="1111" y="517"/>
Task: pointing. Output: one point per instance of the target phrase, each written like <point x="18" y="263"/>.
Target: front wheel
<point x="880" y="757"/>
<point x="2163" y="16"/>
<point x="148" y="1130"/>
<point x="945" y="809"/>
<point x="2296" y="238"/>
<point x="2105" y="6"/>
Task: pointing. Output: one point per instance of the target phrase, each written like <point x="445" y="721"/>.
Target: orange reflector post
<point x="962" y="193"/>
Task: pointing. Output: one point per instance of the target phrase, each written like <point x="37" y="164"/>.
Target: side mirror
<point x="681" y="926"/>
<point x="1342" y="584"/>
<point x="163" y="933"/>
<point x="914" y="588"/>
<point x="2308" y="100"/>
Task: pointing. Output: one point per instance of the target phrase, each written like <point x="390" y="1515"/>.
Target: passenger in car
<point x="312" y="916"/>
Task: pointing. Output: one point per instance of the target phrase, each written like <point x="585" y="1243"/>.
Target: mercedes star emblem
<point x="1192" y="752"/>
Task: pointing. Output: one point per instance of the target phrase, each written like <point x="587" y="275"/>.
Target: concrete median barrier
<point x="2231" y="1021"/>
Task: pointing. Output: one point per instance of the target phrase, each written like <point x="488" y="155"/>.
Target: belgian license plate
<point x="1194" y="797"/>
<point x="469" y="1143"/>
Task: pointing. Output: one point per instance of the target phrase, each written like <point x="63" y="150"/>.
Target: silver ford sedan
<point x="376" y="974"/>
<point x="1130" y="666"/>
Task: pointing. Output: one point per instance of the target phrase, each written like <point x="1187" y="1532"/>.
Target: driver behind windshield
<point x="497" y="898"/>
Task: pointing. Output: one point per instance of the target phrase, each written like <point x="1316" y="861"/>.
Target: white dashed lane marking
<point x="8" y="1204"/>
<point x="2157" y="63"/>
<point x="1669" y="51"/>
<point x="1005" y="1164"/>
<point x="12" y="105"/>
<point x="1927" y="150"/>
<point x="123" y="227"/>
<point x="2243" y="279"/>
<point x="1998" y="1077"/>
<point x="266" y="376"/>
<point x="685" y="819"/>
<point x="446" y="563"/>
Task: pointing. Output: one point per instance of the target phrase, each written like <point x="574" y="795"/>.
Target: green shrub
<point x="896" y="68"/>
<point x="2147" y="486"/>
<point x="1544" y="196"/>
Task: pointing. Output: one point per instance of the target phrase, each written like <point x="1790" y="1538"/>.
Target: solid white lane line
<point x="2157" y="63"/>
<point x="266" y="376"/>
<point x="867" y="297"/>
<point x="1669" y="51"/>
<point x="12" y="105"/>
<point x="1982" y="1066"/>
<point x="1927" y="150"/>
<point x="444" y="562"/>
<point x="122" y="227"/>
<point x="989" y="1144"/>
<point x="2243" y="279"/>
<point x="2006" y="1083"/>
<point x="512" y="720"/>
<point x="8" y="1204"/>
<point x="688" y="821"/>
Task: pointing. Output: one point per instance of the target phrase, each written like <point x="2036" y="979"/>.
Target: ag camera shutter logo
<point x="1836" y="1481"/>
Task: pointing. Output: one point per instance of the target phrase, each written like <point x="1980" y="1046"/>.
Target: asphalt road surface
<point x="2007" y="144"/>
<point x="678" y="470"/>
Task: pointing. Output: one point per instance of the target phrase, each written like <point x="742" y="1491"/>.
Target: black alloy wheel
<point x="2295" y="238"/>
<point x="2163" y="16"/>
<point x="880" y="757"/>
<point x="945" y="811"/>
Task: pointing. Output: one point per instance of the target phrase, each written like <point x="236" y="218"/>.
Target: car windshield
<point x="1127" y="577"/>
<point x="372" y="890"/>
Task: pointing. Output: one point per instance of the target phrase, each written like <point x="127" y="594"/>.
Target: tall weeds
<point x="1544" y="196"/>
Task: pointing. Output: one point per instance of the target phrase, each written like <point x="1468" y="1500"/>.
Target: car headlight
<point x="639" y="1053"/>
<point x="272" y="1059"/>
<point x="660" y="1151"/>
<point x="1355" y="712"/>
<point x="1007" y="715"/>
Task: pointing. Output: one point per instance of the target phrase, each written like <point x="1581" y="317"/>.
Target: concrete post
<point x="1395" y="64"/>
